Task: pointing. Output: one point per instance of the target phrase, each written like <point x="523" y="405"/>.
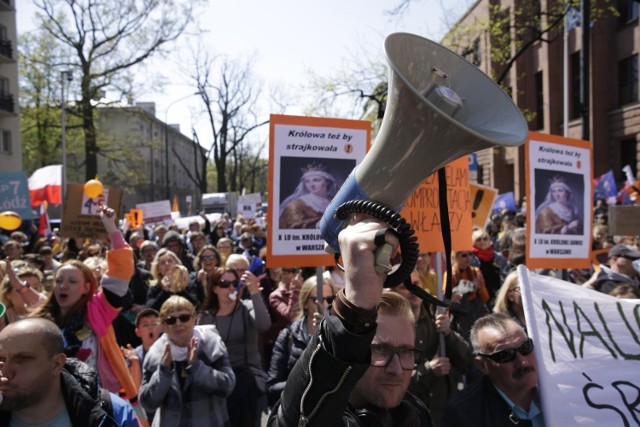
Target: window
<point x="628" y="10"/>
<point x="4" y="86"/>
<point x="539" y="100"/>
<point x="628" y="80"/>
<point x="628" y="154"/>
<point x="5" y="142"/>
<point x="472" y="53"/>
<point x="574" y="86"/>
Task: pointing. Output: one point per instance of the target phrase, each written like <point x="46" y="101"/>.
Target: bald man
<point x="40" y="386"/>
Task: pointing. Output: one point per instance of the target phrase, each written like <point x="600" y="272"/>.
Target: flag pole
<point x="65" y="75"/>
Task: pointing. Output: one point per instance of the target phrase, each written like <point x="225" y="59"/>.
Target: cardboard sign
<point x="422" y="210"/>
<point x="586" y="350"/>
<point x="559" y="201"/>
<point x="75" y="223"/>
<point x="154" y="212"/>
<point x="624" y="220"/>
<point x="14" y="194"/>
<point x="482" y="199"/>
<point x="302" y="150"/>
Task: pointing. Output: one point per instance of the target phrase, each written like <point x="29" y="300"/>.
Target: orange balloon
<point x="10" y="220"/>
<point x="93" y="188"/>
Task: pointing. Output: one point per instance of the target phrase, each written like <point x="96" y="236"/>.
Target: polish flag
<point x="45" y="227"/>
<point x="45" y="184"/>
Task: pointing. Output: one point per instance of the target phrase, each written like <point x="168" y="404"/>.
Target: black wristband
<point x="355" y="319"/>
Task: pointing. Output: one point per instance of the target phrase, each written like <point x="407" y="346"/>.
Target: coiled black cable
<point x="408" y="241"/>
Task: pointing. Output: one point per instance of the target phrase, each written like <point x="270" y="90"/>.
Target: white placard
<point x="587" y="350"/>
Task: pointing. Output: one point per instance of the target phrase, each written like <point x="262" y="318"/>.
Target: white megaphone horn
<point x="439" y="108"/>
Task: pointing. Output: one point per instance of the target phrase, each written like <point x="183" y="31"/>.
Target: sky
<point x="286" y="39"/>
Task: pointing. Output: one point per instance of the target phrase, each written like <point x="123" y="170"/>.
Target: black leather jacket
<point x="81" y="396"/>
<point x="287" y="349"/>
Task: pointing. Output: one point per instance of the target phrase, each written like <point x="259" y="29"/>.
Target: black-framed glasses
<point x="208" y="257"/>
<point x="224" y="284"/>
<point x="171" y="320"/>
<point x="509" y="354"/>
<point x="382" y="354"/>
<point x="328" y="300"/>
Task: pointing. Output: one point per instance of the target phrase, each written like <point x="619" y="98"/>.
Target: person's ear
<point x="58" y="363"/>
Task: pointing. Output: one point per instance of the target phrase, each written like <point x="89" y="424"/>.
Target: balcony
<point x="6" y="50"/>
<point x="6" y="103"/>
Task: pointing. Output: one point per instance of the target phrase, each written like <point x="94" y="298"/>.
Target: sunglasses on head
<point x="171" y="320"/>
<point x="224" y="284"/>
<point x="509" y="354"/>
<point x="328" y="300"/>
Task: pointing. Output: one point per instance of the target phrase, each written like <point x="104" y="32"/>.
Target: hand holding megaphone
<point x="358" y="245"/>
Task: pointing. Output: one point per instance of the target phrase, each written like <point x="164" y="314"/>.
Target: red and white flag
<point x="45" y="227"/>
<point x="45" y="184"/>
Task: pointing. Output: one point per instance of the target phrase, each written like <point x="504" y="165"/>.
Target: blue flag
<point x="505" y="201"/>
<point x="606" y="187"/>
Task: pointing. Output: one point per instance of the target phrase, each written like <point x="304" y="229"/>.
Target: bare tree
<point x="230" y="99"/>
<point x="107" y="39"/>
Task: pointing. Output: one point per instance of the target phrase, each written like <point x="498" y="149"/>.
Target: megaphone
<point x="439" y="107"/>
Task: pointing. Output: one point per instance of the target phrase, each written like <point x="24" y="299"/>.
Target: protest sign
<point x="80" y="218"/>
<point x="559" y="194"/>
<point x="153" y="212"/>
<point x="310" y="158"/>
<point x="422" y="210"/>
<point x="14" y="194"/>
<point x="482" y="198"/>
<point x="249" y="204"/>
<point x="587" y="352"/>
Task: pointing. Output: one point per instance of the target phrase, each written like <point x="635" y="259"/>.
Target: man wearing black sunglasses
<point x="507" y="394"/>
<point x="356" y="369"/>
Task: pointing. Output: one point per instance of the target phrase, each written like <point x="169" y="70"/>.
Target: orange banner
<point x="422" y="209"/>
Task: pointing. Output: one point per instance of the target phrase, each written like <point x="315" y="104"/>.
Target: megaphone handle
<point x="408" y="242"/>
<point x="383" y="258"/>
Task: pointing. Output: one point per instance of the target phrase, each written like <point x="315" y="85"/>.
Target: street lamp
<point x="65" y="77"/>
<point x="166" y="140"/>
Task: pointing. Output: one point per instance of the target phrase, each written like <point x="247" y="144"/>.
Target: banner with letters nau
<point x="587" y="350"/>
<point x="310" y="158"/>
<point x="559" y="174"/>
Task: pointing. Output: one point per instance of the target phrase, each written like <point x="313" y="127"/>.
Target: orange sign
<point x="482" y="199"/>
<point x="422" y="210"/>
<point x="559" y="178"/>
<point x="309" y="159"/>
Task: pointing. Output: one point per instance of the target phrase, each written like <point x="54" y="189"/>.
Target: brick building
<point x="535" y="82"/>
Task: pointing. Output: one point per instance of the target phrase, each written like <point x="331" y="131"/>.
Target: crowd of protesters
<point x="204" y="332"/>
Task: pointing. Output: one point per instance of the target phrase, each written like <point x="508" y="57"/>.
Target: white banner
<point x="587" y="349"/>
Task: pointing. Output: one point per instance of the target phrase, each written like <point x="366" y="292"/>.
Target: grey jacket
<point x="202" y="399"/>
